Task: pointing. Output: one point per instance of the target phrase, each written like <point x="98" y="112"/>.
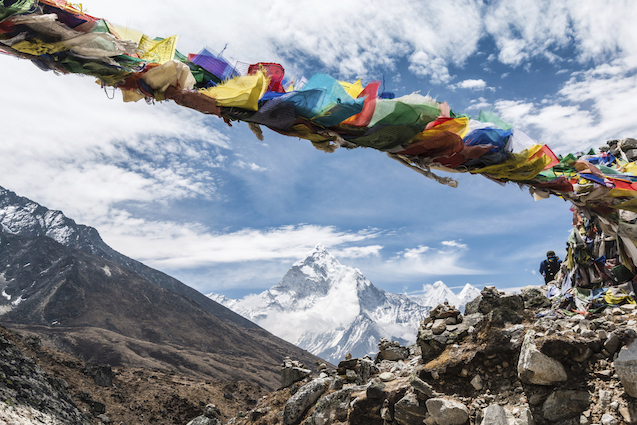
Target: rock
<point x="498" y="308"/>
<point x="102" y="374"/>
<point x="386" y="376"/>
<point x="391" y="350"/>
<point x="605" y="398"/>
<point x="202" y="420"/>
<point x="629" y="413"/>
<point x="561" y="405"/>
<point x="408" y="410"/>
<point x="608" y="419"/>
<point x="376" y="391"/>
<point x="422" y="388"/>
<point x="476" y="382"/>
<point x="447" y="412"/>
<point x="351" y="375"/>
<point x="526" y="418"/>
<point x="211" y="416"/>
<point x="305" y="397"/>
<point x="626" y="368"/>
<point x="332" y="408"/>
<point x="439" y="326"/>
<point x="534" y="298"/>
<point x="290" y="375"/>
<point x="494" y="415"/>
<point x="612" y="343"/>
<point x="537" y="368"/>
<point x="367" y="369"/>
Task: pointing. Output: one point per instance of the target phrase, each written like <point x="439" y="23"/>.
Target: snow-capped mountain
<point x="330" y="309"/>
<point x="438" y="293"/>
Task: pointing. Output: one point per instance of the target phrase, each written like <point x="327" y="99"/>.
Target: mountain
<point x="21" y="216"/>
<point x="85" y="298"/>
<point x="330" y="309"/>
<point x="438" y="293"/>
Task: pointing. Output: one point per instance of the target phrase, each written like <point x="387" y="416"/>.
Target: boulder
<point x="494" y="415"/>
<point x="537" y="368"/>
<point x="500" y="308"/>
<point x="290" y="375"/>
<point x="408" y="410"/>
<point x="561" y="405"/>
<point x="332" y="408"/>
<point x="447" y="412"/>
<point x="392" y="351"/>
<point x="211" y="415"/>
<point x="626" y="368"/>
<point x="305" y="397"/>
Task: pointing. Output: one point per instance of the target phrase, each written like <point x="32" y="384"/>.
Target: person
<point x="550" y="266"/>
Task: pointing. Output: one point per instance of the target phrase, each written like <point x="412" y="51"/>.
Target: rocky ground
<point x="39" y="384"/>
<point x="498" y="364"/>
<point x="509" y="360"/>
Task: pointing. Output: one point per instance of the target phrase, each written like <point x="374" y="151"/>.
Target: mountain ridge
<point x="22" y="216"/>
<point x="105" y="312"/>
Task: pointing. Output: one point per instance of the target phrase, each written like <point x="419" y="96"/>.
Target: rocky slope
<point x="105" y="313"/>
<point x="42" y="385"/>
<point x="497" y="364"/>
<point x="336" y="310"/>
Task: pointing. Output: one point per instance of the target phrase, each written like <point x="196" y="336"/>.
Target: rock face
<point x="28" y="395"/>
<point x="626" y="367"/>
<point x="305" y="397"/>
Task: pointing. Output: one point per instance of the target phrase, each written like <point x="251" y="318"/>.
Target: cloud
<point x="470" y="84"/>
<point x="172" y="245"/>
<point x="592" y="106"/>
<point x="357" y="252"/>
<point x="454" y="244"/>
<point x="528" y="29"/>
<point x="424" y="260"/>
<point x="251" y="166"/>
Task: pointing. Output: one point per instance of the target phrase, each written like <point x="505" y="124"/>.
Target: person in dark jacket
<point x="550" y="266"/>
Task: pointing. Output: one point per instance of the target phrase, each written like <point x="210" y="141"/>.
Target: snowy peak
<point x="438" y="293"/>
<point x="468" y="293"/>
<point x="330" y="309"/>
<point x="312" y="276"/>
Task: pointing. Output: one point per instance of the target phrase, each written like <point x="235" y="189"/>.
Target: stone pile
<point x="497" y="364"/>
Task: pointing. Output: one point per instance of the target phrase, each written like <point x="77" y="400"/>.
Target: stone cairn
<point x="501" y="362"/>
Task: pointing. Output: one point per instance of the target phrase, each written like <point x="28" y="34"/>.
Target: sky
<point x="224" y="212"/>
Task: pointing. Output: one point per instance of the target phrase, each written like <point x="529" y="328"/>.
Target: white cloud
<point x="454" y="244"/>
<point x="250" y="166"/>
<point x="527" y="29"/>
<point x="425" y="260"/>
<point x="171" y="245"/>
<point x="471" y="84"/>
<point x="593" y="106"/>
<point x="357" y="251"/>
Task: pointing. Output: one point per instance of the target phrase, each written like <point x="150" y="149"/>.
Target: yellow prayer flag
<point x="353" y="89"/>
<point x="158" y="50"/>
<point x="241" y="92"/>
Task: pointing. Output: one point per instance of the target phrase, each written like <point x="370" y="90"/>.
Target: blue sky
<point x="224" y="212"/>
